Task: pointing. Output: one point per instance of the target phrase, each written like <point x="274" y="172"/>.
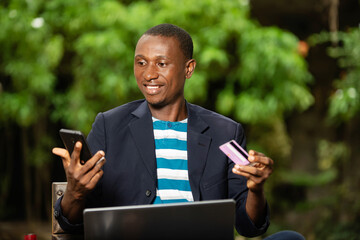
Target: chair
<point x="58" y="189"/>
<point x="57" y="233"/>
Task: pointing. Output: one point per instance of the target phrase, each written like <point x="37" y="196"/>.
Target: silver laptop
<point x="195" y="220"/>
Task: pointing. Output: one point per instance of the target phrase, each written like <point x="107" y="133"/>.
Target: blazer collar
<point x="142" y="110"/>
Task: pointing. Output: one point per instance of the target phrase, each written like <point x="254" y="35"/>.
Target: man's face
<point x="160" y="70"/>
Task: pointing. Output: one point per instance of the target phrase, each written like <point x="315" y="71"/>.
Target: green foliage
<point x="308" y="179"/>
<point x="345" y="100"/>
<point x="270" y="77"/>
<point x="75" y="58"/>
<point x="339" y="231"/>
<point x="331" y="154"/>
<point x="28" y="58"/>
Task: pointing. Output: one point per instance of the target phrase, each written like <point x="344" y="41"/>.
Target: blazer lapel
<point x="143" y="135"/>
<point x="198" y="148"/>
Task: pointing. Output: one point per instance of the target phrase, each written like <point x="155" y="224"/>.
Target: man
<point x="138" y="146"/>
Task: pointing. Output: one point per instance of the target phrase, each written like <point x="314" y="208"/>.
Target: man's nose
<point x="150" y="73"/>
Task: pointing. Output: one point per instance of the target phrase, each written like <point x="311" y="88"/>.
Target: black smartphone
<point x="70" y="137"/>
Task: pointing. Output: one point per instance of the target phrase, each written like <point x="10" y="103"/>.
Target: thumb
<point x="64" y="154"/>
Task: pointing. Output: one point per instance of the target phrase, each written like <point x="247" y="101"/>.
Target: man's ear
<point x="190" y="67"/>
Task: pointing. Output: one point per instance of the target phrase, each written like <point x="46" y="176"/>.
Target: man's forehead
<point x="157" y="43"/>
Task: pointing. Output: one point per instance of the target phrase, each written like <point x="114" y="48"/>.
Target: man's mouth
<point x="152" y="89"/>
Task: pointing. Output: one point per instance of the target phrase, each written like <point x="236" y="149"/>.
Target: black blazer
<point x="126" y="136"/>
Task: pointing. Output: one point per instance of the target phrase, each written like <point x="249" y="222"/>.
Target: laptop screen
<point x="195" y="220"/>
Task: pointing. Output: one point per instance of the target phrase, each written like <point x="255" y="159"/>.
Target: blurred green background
<point x="287" y="70"/>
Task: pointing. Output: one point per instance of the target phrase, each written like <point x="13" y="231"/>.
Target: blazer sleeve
<point x="64" y="222"/>
<point x="239" y="191"/>
<point x="97" y="135"/>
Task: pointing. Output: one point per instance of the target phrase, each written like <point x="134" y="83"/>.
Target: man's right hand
<point x="81" y="179"/>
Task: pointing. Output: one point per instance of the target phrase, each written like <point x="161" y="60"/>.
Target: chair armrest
<point x="58" y="189"/>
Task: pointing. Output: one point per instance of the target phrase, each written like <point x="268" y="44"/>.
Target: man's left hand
<point x="256" y="174"/>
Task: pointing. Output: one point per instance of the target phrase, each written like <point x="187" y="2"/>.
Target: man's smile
<point x="152" y="89"/>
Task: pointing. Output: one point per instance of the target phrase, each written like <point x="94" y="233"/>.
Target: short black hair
<point x="170" y="30"/>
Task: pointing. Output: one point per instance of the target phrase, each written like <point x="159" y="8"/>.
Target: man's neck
<point x="171" y="113"/>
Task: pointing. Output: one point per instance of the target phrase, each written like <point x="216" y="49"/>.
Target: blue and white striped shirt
<point x="171" y="158"/>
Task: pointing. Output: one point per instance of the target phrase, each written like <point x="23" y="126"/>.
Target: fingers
<point x="257" y="157"/>
<point x="81" y="178"/>
<point x="95" y="173"/>
<point x="256" y="178"/>
<point x="64" y="154"/>
<point x="72" y="160"/>
<point x="61" y="152"/>
<point x="75" y="155"/>
<point x="254" y="153"/>
<point x="102" y="159"/>
<point x="91" y="172"/>
<point x="96" y="162"/>
<point x="257" y="172"/>
<point x="95" y="179"/>
<point x="247" y="171"/>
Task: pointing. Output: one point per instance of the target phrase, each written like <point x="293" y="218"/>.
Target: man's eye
<point x="141" y="63"/>
<point x="162" y="64"/>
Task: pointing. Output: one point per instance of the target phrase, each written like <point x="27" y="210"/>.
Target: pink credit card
<point x="235" y="152"/>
